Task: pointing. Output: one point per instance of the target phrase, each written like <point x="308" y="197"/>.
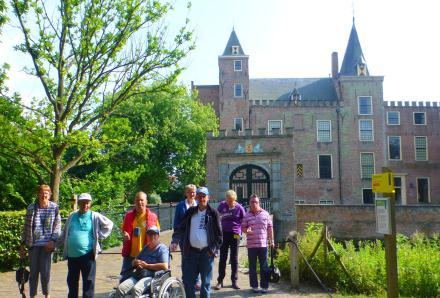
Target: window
<point x="235" y="50"/>
<point x="421" y="148"/>
<point x="365" y="105"/>
<point x="367" y="165"/>
<point x="324" y="130"/>
<point x="393" y="118"/>
<point x="238" y="124"/>
<point x="394" y="148"/>
<point x="326" y="202"/>
<point x="419" y="118"/>
<point x="238" y="90"/>
<point x="274" y="125"/>
<point x="300" y="202"/>
<point x="299" y="170"/>
<point x="398" y="189"/>
<point x="366" y="130"/>
<point x="367" y="196"/>
<point x="325" y="167"/>
<point x="423" y="190"/>
<point x="237" y="65"/>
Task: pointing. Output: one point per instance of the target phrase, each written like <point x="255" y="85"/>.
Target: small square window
<point x="366" y="130"/>
<point x="274" y="127"/>
<point x="238" y="124"/>
<point x="393" y="118"/>
<point x="238" y="90"/>
<point x="367" y="196"/>
<point x="237" y="65"/>
<point x="324" y="130"/>
<point x="365" y="105"/>
<point x="300" y="202"/>
<point x="326" y="202"/>
<point x="235" y="50"/>
<point x="419" y="118"/>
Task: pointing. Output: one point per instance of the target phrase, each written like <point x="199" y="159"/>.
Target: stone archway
<point x="250" y="179"/>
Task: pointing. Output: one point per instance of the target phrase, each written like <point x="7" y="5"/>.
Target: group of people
<point x="200" y="231"/>
<point x="203" y="232"/>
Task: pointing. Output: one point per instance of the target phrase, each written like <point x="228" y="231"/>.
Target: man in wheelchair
<point x="152" y="258"/>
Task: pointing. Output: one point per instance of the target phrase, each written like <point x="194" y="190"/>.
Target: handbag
<point x="275" y="273"/>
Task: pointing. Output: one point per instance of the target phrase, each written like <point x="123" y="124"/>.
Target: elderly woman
<point x="42" y="229"/>
<point x="232" y="214"/>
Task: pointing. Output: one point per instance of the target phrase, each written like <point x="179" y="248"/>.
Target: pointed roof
<point x="353" y="55"/>
<point x="233" y="41"/>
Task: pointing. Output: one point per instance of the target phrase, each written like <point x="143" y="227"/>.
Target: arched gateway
<point x="250" y="179"/>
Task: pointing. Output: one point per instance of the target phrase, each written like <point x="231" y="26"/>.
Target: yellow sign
<point x="383" y="183"/>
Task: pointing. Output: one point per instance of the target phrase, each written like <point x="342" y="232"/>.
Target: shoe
<point x="218" y="286"/>
<point x="235" y="286"/>
<point x="197" y="287"/>
<point x="264" y="290"/>
<point x="255" y="290"/>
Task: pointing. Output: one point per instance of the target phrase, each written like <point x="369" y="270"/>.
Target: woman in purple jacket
<point x="232" y="214"/>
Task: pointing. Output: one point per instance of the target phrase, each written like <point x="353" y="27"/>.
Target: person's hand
<point x="126" y="236"/>
<point x="173" y="246"/>
<point x="272" y="243"/>
<point x="22" y="252"/>
<point x="249" y="230"/>
<point x="50" y="246"/>
<point x="137" y="263"/>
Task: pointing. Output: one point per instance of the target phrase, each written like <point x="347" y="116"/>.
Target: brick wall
<point x="359" y="221"/>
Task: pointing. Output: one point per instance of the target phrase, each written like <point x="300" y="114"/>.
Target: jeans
<point x="230" y="240"/>
<point x="40" y="263"/>
<point x="127" y="268"/>
<point x="136" y="287"/>
<point x="261" y="254"/>
<point x="86" y="265"/>
<point x="196" y="262"/>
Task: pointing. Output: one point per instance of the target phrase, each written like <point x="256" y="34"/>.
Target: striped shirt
<point x="44" y="223"/>
<point x="261" y="224"/>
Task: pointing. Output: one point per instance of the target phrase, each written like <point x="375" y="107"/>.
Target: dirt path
<point x="109" y="266"/>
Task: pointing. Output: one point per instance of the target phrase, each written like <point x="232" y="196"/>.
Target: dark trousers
<point x="86" y="265"/>
<point x="194" y="263"/>
<point x="259" y="253"/>
<point x="127" y="268"/>
<point x="230" y="241"/>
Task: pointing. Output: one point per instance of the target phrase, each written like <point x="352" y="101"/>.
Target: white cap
<point x="85" y="196"/>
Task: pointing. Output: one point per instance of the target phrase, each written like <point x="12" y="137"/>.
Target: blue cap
<point x="153" y="229"/>
<point x="202" y="190"/>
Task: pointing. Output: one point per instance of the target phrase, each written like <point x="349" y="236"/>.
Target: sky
<point x="295" y="39"/>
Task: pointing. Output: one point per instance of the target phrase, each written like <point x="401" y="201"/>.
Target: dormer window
<point x="235" y="50"/>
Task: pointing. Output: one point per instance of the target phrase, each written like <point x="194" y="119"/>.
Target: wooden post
<point x="294" y="264"/>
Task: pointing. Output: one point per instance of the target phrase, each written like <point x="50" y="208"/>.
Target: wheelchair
<point x="163" y="285"/>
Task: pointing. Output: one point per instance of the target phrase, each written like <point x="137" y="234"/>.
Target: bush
<point x="418" y="264"/>
<point x="10" y="236"/>
<point x="154" y="199"/>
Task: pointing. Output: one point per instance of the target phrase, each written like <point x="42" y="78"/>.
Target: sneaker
<point x="264" y="290"/>
<point x="218" y="286"/>
<point x="255" y="290"/>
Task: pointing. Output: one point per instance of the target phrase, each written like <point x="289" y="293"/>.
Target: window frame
<point x="400" y="148"/>
<point x="330" y="131"/>
<point x="426" y="148"/>
<point x="242" y="124"/>
<point x="371" y="105"/>
<point x="429" y="189"/>
<point x="235" y="50"/>
<point x="372" y="130"/>
<point x="414" y="118"/>
<point x="241" y="65"/>
<point x="363" y="200"/>
<point x="269" y="130"/>
<point x="326" y="202"/>
<point x="398" y="118"/>
<point x="241" y="90"/>
<point x="360" y="164"/>
<point x="300" y="202"/>
<point x="331" y="167"/>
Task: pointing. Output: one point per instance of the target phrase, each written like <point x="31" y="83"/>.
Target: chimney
<point x="335" y="66"/>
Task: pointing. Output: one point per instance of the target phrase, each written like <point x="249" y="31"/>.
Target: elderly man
<point x="153" y="257"/>
<point x="82" y="231"/>
<point x="41" y="231"/>
<point x="201" y="237"/>
<point x="257" y="224"/>
<point x="134" y="227"/>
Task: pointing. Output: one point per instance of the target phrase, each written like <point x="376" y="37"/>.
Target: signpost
<point x="386" y="224"/>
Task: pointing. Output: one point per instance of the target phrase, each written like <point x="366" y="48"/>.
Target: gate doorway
<point x="250" y="179"/>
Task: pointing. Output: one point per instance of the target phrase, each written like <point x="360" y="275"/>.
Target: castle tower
<point x="234" y="86"/>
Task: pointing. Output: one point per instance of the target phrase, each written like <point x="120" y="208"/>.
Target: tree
<point x="89" y="57"/>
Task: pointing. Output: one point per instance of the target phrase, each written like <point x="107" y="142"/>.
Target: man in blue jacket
<point x="200" y="236"/>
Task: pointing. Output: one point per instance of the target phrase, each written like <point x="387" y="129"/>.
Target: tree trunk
<point x="56" y="180"/>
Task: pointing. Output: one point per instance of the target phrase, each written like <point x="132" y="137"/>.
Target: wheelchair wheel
<point x="172" y="288"/>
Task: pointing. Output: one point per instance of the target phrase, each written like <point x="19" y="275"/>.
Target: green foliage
<point x="10" y="238"/>
<point x="418" y="264"/>
<point x="154" y="199"/>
